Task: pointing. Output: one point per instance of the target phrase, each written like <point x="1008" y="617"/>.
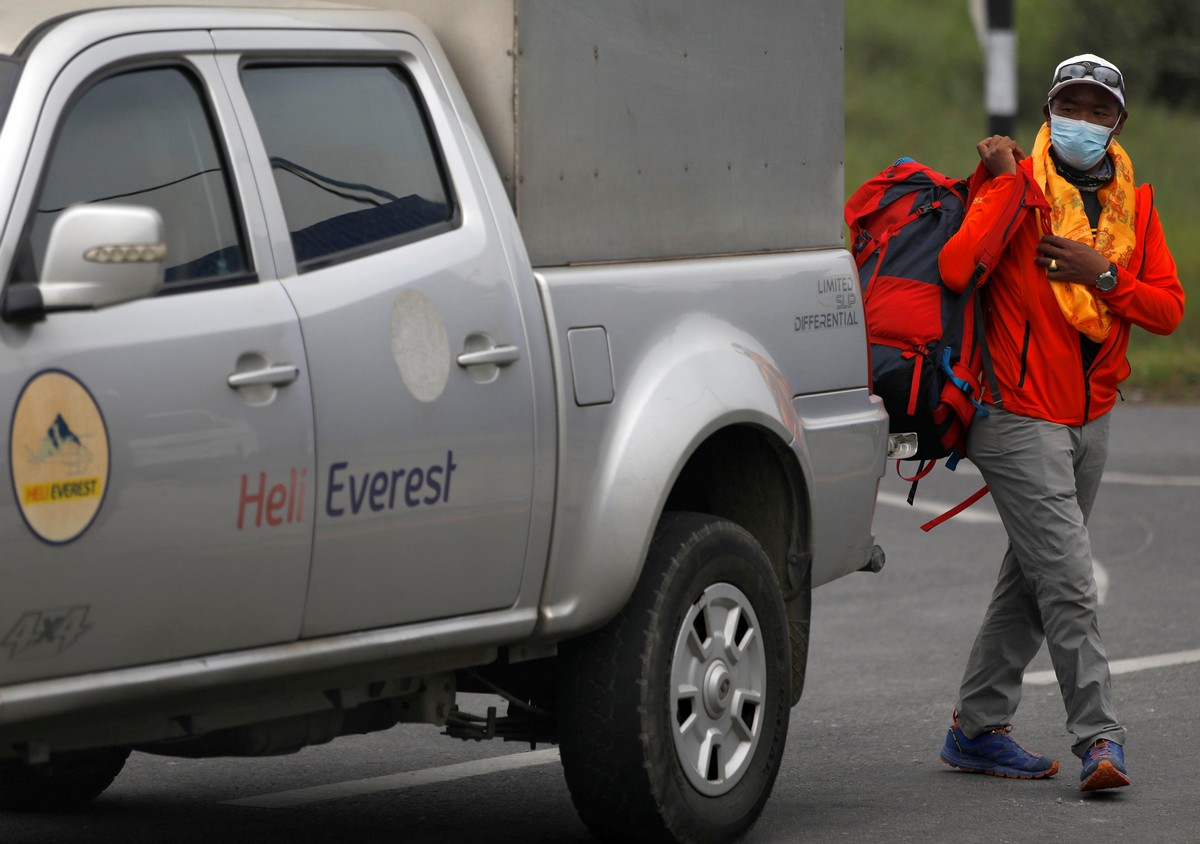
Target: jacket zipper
<point x="1087" y="394"/>
<point x="1087" y="376"/>
<point x="1024" y="354"/>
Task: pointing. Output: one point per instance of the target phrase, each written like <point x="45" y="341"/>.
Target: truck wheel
<point x="673" y="716"/>
<point x="61" y="784"/>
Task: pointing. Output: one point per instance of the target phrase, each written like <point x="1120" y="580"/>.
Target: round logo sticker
<point x="420" y="345"/>
<point x="58" y="451"/>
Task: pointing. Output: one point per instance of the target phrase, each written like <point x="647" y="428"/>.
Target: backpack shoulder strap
<point x="1019" y="202"/>
<point x="991" y="247"/>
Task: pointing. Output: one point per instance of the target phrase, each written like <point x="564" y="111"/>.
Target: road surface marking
<point x="1114" y="477"/>
<point x="1124" y="666"/>
<point x="395" y="782"/>
<point x="1101" y="574"/>
<point x="1149" y="480"/>
<point x="985" y="517"/>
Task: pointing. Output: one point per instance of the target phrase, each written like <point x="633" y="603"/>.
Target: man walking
<point x="1058" y="310"/>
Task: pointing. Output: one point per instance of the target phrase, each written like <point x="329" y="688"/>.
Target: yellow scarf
<point x="1114" y="237"/>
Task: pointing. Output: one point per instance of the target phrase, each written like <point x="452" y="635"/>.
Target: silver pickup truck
<point x="350" y="360"/>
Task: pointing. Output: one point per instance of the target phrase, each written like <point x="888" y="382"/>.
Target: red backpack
<point x="928" y="351"/>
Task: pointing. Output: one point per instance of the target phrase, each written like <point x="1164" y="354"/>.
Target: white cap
<point x="1087" y="64"/>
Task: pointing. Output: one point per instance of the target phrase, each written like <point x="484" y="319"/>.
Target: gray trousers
<point x="1043" y="478"/>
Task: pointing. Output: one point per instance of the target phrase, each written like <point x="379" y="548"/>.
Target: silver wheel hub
<point x="718" y="689"/>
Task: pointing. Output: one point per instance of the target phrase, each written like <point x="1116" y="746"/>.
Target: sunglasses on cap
<point x="1104" y="75"/>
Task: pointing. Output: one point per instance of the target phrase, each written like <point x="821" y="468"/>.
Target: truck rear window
<point x="353" y="157"/>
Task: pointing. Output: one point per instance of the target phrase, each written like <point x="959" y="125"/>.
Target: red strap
<point x="922" y="470"/>
<point x="956" y="509"/>
<point x="915" y="387"/>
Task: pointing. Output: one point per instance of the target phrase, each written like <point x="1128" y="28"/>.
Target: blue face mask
<point x="1077" y="142"/>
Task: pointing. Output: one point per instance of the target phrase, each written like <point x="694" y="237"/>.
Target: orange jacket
<point x="1035" y="351"/>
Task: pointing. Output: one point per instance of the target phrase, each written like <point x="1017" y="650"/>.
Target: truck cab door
<point x="422" y="382"/>
<point x="158" y="450"/>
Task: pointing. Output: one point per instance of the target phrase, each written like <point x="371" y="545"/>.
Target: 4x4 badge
<point x="46" y="632"/>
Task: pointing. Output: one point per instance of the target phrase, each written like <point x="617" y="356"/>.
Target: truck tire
<point x="61" y="784"/>
<point x="673" y="716"/>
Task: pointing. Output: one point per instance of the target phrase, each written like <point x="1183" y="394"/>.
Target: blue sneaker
<point x="996" y="753"/>
<point x="1103" y="767"/>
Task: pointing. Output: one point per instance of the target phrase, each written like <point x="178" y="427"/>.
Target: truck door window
<point x="145" y="138"/>
<point x="8" y="83"/>
<point x="353" y="157"/>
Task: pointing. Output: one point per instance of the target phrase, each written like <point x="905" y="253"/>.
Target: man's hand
<point x="1070" y="260"/>
<point x="999" y="154"/>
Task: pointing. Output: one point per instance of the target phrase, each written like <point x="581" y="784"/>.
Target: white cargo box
<point x="636" y="129"/>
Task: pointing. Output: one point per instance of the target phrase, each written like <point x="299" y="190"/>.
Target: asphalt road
<point x="861" y="763"/>
<point x="889" y="649"/>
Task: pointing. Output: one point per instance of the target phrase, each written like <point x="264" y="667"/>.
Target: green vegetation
<point x="914" y="86"/>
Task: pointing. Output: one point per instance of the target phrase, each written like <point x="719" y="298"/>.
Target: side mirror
<point x="100" y="255"/>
